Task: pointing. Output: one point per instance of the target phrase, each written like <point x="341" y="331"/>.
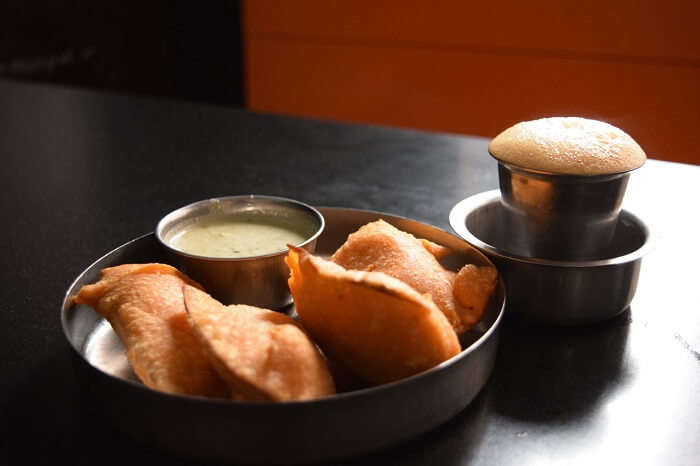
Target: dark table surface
<point x="85" y="172"/>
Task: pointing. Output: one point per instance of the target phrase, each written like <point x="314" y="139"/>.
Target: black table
<point x="84" y="172"/>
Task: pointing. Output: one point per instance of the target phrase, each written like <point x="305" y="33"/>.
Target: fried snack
<point x="144" y="305"/>
<point x="375" y="325"/>
<point x="473" y="287"/>
<point x="262" y="354"/>
<point x="380" y="247"/>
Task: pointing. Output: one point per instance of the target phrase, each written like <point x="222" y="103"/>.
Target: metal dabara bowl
<point x="256" y="280"/>
<point x="555" y="291"/>
<point x="560" y="217"/>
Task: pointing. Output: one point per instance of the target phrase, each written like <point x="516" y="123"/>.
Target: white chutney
<point x="239" y="235"/>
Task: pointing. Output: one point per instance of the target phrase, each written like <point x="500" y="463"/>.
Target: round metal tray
<point x="329" y="428"/>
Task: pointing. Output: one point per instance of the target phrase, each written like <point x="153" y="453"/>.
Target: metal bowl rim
<point x="159" y="226"/>
<point x="335" y="398"/>
<point x="583" y="178"/>
<point x="463" y="208"/>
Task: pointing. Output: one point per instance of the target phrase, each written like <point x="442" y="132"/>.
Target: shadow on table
<point x="451" y="443"/>
<point x="557" y="373"/>
<point x="48" y="420"/>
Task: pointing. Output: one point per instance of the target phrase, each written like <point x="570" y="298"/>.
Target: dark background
<point x="175" y="49"/>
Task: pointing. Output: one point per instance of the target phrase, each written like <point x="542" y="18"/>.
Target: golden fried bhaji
<point x="375" y="325"/>
<point x="473" y="287"/>
<point x="381" y="247"/>
<point x="264" y="355"/>
<point x="144" y="304"/>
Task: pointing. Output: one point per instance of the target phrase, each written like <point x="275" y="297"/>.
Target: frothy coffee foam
<point x="568" y="145"/>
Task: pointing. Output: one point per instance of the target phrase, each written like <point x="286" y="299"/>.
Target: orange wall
<point x="476" y="68"/>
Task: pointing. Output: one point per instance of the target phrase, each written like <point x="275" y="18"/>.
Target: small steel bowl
<point x="560" y="217"/>
<point x="257" y="280"/>
<point x="551" y="291"/>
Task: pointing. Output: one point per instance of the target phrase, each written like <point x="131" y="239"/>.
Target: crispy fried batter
<point x="375" y="325"/>
<point x="262" y="354"/>
<point x="473" y="286"/>
<point x="379" y="246"/>
<point x="144" y="305"/>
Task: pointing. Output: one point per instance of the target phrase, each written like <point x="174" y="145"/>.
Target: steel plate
<point x="330" y="428"/>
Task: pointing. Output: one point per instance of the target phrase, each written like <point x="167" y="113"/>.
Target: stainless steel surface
<point x="325" y="429"/>
<point x="549" y="291"/>
<point x="561" y="217"/>
<point x="257" y="281"/>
